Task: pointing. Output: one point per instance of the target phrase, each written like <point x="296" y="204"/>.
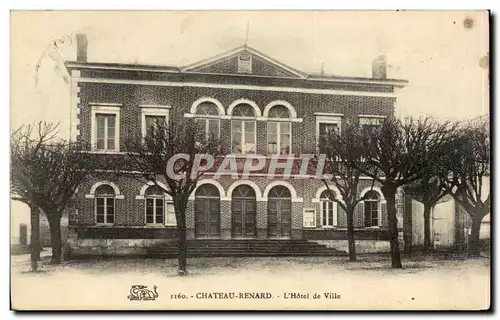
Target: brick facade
<point x="129" y="89"/>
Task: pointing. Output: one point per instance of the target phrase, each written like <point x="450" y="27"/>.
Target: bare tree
<point x="470" y="167"/>
<point x="399" y="153"/>
<point x="45" y="174"/>
<point x="428" y="190"/>
<point x="181" y="139"/>
<point x="343" y="153"/>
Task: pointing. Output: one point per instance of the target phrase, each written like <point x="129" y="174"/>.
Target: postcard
<point x="250" y="160"/>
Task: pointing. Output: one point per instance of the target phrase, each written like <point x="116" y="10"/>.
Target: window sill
<point x="343" y="229"/>
<point x="154" y="225"/>
<point x="105" y="152"/>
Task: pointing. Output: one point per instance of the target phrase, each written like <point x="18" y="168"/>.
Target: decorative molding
<point x="100" y="183"/>
<point x="239" y="87"/>
<point x="251" y="103"/>
<point x="148" y="184"/>
<point x="374" y="188"/>
<point x="238" y="50"/>
<point x="199" y="101"/>
<point x="283" y="183"/>
<point x="250" y="183"/>
<point x="397" y="83"/>
<point x="288" y="105"/>
<point x="327" y="114"/>
<point x="215" y="183"/>
<point x="155" y="106"/>
<point x="371" y="116"/>
<point x="320" y="190"/>
<point x="106" y="104"/>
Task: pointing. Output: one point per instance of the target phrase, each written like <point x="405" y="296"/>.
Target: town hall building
<point x="255" y="105"/>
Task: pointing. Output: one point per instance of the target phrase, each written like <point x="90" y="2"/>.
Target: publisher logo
<point x="141" y="292"/>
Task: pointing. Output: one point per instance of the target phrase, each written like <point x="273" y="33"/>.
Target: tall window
<point x="206" y="111"/>
<point x="155" y="205"/>
<point x="279" y="130"/>
<point x="243" y="132"/>
<point x="328" y="209"/>
<point x="369" y="124"/>
<point x="153" y="117"/>
<point x="153" y="122"/>
<point x="106" y="125"/>
<point x="372" y="209"/>
<point x="324" y="126"/>
<point x="105" y="204"/>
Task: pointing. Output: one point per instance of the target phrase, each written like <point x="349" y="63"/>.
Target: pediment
<point x="244" y="61"/>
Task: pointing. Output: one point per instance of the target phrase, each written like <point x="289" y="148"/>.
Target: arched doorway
<point x="279" y="212"/>
<point x="243" y="212"/>
<point x="207" y="212"/>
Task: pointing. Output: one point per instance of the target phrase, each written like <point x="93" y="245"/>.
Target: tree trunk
<point x="427" y="227"/>
<point x="408" y="225"/>
<point x="474" y="249"/>
<point x="182" y="253"/>
<point x="35" y="237"/>
<point x="350" y="233"/>
<point x="180" y="209"/>
<point x="390" y="197"/>
<point x="55" y="238"/>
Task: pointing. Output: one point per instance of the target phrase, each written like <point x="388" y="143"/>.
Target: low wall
<point x="362" y="246"/>
<point x="113" y="247"/>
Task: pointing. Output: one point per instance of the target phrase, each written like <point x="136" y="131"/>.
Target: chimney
<point x="379" y="67"/>
<point x="81" y="47"/>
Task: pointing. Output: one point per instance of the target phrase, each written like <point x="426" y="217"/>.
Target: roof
<point x="218" y="64"/>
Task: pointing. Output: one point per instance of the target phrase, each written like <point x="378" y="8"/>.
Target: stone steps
<point x="226" y="248"/>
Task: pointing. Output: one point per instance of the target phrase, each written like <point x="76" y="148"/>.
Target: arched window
<point x="328" y="211"/>
<point x="279" y="131"/>
<point x="279" y="212"/>
<point x="372" y="209"/>
<point x="105" y="204"/>
<point x="207" y="113"/>
<point x="243" y="132"/>
<point x="155" y="205"/>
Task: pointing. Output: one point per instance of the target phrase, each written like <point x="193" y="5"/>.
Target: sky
<point x="442" y="59"/>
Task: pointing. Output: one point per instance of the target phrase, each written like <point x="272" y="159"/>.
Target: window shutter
<point x="359" y="215"/>
<point x="383" y="209"/>
<point x="170" y="219"/>
<point x="342" y="217"/>
<point x="309" y="218"/>
<point x="335" y="212"/>
<point x="399" y="212"/>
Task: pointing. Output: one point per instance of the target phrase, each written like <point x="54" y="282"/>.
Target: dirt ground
<point x="426" y="282"/>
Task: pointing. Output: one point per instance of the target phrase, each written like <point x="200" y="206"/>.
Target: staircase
<point x="246" y="248"/>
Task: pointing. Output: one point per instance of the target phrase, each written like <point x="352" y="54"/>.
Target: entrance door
<point x="279" y="213"/>
<point x="207" y="212"/>
<point x="243" y="212"/>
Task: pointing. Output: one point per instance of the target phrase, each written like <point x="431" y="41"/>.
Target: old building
<point x="257" y="105"/>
